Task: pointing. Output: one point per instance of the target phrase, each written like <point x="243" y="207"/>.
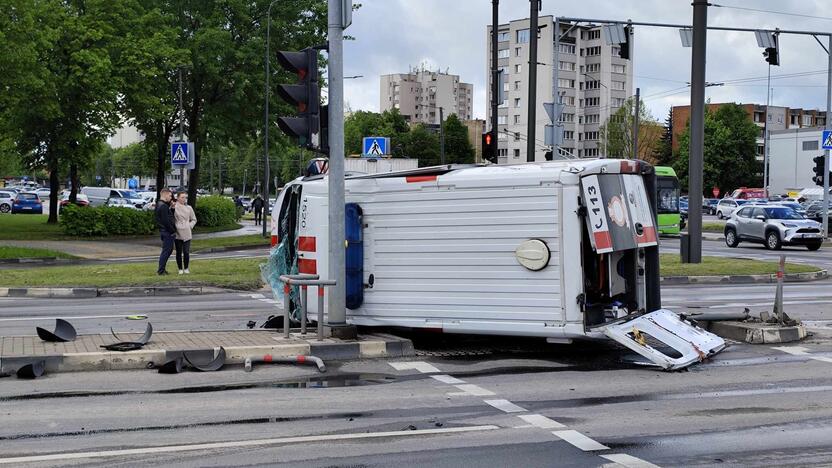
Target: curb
<point x="372" y="346"/>
<point x="232" y="247"/>
<point x="82" y="293"/>
<point x="756" y="333"/>
<point x="745" y="279"/>
<point x="29" y="260"/>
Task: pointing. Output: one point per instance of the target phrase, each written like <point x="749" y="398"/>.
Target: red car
<point x="80" y="200"/>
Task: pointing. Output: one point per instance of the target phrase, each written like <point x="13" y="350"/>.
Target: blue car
<point x="26" y="202"/>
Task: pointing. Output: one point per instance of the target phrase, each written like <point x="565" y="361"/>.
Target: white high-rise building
<point x="420" y="93"/>
<point x="593" y="82"/>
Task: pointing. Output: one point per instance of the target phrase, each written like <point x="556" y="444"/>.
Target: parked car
<point x="246" y="203"/>
<point x="27" y="202"/>
<point x="795" y="206"/>
<point x="122" y="203"/>
<point x="814" y="210"/>
<point x="745" y="193"/>
<point x="98" y="196"/>
<point x="772" y="225"/>
<point x="726" y="206"/>
<point x="80" y="200"/>
<point x="6" y="201"/>
<point x="43" y="193"/>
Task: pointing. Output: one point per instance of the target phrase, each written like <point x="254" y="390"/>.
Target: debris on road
<point x="268" y="358"/>
<point x="32" y="370"/>
<point x="123" y="345"/>
<point x="64" y="331"/>
<point x="210" y="366"/>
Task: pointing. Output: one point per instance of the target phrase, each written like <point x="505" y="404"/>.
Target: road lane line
<point x="240" y="443"/>
<point x="419" y="366"/>
<point x="444" y="378"/>
<point x="65" y="317"/>
<point x="801" y="351"/>
<point x="505" y="406"/>
<point x="579" y="440"/>
<point x="628" y="461"/>
<point x="474" y="390"/>
<point x="538" y="420"/>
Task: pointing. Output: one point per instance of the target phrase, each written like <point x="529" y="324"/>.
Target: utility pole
<point x="442" y="135"/>
<point x="337" y="252"/>
<point x="827" y="126"/>
<point x="495" y="82"/>
<point x="765" y="132"/>
<point x="697" y="132"/>
<point x="266" y="117"/>
<point x="181" y="131"/>
<point x="532" y="104"/>
<point x="245" y="174"/>
<point x="637" y="108"/>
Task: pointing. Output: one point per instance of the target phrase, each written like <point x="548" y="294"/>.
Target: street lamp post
<point x="266" y="121"/>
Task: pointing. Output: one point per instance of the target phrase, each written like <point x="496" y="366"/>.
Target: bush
<point x="79" y="221"/>
<point x="212" y="211"/>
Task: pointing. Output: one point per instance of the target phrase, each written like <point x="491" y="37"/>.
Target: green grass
<point x="230" y="241"/>
<point x="671" y="265"/>
<point x="26" y="252"/>
<point x="28" y="227"/>
<point x="227" y="227"/>
<point x="713" y="227"/>
<point x="241" y="274"/>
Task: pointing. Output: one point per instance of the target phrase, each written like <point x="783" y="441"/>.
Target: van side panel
<point x="442" y="254"/>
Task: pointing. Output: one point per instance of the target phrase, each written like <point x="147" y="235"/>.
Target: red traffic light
<point x="488" y="139"/>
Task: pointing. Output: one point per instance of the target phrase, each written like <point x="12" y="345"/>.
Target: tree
<point x="458" y="149"/>
<point x="730" y="150"/>
<point x="360" y="124"/>
<point x="664" y="150"/>
<point x="616" y="134"/>
<point x="422" y="144"/>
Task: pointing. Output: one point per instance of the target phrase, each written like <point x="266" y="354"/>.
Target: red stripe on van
<point x="421" y="178"/>
<point x="306" y="244"/>
<point x="602" y="240"/>
<point x="629" y="167"/>
<point x="649" y="235"/>
<point x="275" y="241"/>
<point x="308" y="266"/>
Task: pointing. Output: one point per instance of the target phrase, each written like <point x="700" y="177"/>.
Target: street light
<point x="266" y="119"/>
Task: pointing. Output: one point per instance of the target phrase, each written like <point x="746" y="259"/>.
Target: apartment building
<point x="593" y="83"/>
<point x="420" y="93"/>
<point x="776" y="117"/>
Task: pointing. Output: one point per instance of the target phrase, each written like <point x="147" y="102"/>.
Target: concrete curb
<point x="368" y="347"/>
<point x="28" y="260"/>
<point x="745" y="279"/>
<point x="85" y="293"/>
<point x="758" y="333"/>
<point x="231" y="247"/>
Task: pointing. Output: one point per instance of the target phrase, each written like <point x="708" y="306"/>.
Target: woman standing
<point x="185" y="222"/>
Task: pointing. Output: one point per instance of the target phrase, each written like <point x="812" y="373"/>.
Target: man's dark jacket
<point x="164" y="218"/>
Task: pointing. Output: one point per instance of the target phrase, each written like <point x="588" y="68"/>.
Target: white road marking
<point x="801" y="351"/>
<point x="444" y="378"/>
<point x="269" y="301"/>
<point x="71" y="317"/>
<point x="540" y="421"/>
<point x="628" y="461"/>
<point x="579" y="440"/>
<point x="240" y="443"/>
<point x="420" y="366"/>
<point x="506" y="406"/>
<point x="475" y="390"/>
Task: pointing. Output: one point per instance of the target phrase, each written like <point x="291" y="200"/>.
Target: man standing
<point x="167" y="228"/>
<point x="257" y="204"/>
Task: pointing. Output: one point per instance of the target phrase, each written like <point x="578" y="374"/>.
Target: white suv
<point x="6" y="200"/>
<point x="727" y="206"/>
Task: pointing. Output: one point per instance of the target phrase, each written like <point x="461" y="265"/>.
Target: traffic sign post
<point x="375" y="146"/>
<point x="182" y="156"/>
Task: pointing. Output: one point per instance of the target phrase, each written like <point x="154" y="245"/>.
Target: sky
<point x="391" y="35"/>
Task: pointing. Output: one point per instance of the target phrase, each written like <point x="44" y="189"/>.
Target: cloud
<point x="392" y="35"/>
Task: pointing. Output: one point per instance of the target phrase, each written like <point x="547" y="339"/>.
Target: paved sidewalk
<point x="247" y="229"/>
<point x="92" y="249"/>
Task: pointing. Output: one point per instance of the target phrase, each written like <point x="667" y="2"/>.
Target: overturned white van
<point x="561" y="250"/>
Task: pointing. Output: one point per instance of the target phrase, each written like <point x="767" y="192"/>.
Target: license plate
<point x="27" y="207"/>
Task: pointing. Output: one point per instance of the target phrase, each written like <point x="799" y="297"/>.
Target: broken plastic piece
<point x="130" y="345"/>
<point x="64" y="332"/>
<point x="214" y="365"/>
<point x="268" y="358"/>
<point x="32" y="370"/>
<point x="174" y="366"/>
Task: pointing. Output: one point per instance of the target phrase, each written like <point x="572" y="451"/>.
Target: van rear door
<point x="665" y="339"/>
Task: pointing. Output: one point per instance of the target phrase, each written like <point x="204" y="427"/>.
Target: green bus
<point x="667" y="187"/>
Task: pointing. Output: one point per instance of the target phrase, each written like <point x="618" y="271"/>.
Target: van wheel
<point x="815" y="246"/>
<point x="719" y="215"/>
<point x="773" y="240"/>
<point x="731" y="239"/>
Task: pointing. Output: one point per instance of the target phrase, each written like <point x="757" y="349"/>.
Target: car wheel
<point x="5" y="208"/>
<point x="731" y="239"/>
<point x="815" y="246"/>
<point x="773" y="240"/>
<point x="719" y="215"/>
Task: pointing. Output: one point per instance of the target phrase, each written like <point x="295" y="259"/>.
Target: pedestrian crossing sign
<point x="180" y="154"/>
<point x="827" y="140"/>
<point x="375" y="146"/>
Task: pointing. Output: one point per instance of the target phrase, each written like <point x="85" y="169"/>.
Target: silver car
<point x="772" y="225"/>
<point x="727" y="206"/>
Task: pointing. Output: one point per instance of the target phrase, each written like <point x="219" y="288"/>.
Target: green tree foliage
<point x="458" y="149"/>
<point x="616" y="134"/>
<point x="422" y="144"/>
<point x="360" y="124"/>
<point x="664" y="150"/>
<point x="730" y="159"/>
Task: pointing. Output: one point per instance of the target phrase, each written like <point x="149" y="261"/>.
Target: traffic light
<point x="818" y="170"/>
<point x="624" y="47"/>
<point x="772" y="54"/>
<point x="489" y="147"/>
<point x="305" y="96"/>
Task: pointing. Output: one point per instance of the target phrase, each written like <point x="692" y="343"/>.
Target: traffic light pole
<point x="532" y="103"/>
<point x="495" y="91"/>
<point x="266" y="123"/>
<point x="337" y="317"/>
<point x="827" y="126"/>
<point x="697" y="133"/>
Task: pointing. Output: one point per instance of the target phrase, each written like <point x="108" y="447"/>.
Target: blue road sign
<point x="180" y="154"/>
<point x="827" y="140"/>
<point x="375" y="146"/>
<point x="132" y="184"/>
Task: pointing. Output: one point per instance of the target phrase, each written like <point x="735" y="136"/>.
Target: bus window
<point x="668" y="195"/>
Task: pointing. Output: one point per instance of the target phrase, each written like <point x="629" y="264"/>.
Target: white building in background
<point x="593" y="81"/>
<point x="419" y="93"/>
<point x="790" y="159"/>
<point x="127" y="135"/>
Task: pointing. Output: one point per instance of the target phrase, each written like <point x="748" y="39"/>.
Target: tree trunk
<point x="54" y="187"/>
<point x="73" y="179"/>
<point x="193" y="174"/>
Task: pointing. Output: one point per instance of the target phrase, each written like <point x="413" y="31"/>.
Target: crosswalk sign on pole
<point x="180" y="153"/>
<point x="375" y="146"/>
<point x="827" y="140"/>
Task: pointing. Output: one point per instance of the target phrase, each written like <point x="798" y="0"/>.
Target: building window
<point x="566" y="117"/>
<point x="591" y="152"/>
<point x="522" y="36"/>
<point x="567" y="49"/>
<point x="758" y="117"/>
<point x="568" y="100"/>
<point x="591" y="85"/>
<point x="568" y="135"/>
<point x="566" y="66"/>
<point x="516" y="136"/>
<point x="615" y="51"/>
<point x="590" y="102"/>
<point x="565" y="83"/>
<point x="619" y="68"/>
<point x="592" y="118"/>
<point x="516" y="85"/>
<point x="501" y="136"/>
<point x="516" y="102"/>
<point x="503" y="36"/>
<point x="593" y="67"/>
<point x="502" y="53"/>
<point x="591" y="35"/>
<point x="516" y="119"/>
<point x="810" y="145"/>
<point x="517" y="51"/>
<point x="518" y="68"/>
<point x="593" y="51"/>
<point x="617" y="102"/>
<point x="516" y="154"/>
<point x="806" y="120"/>
<point x="618" y="85"/>
<point x="502" y="119"/>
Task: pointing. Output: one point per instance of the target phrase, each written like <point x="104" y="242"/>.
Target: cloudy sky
<point x="390" y="35"/>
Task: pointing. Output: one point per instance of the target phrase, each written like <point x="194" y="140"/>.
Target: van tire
<point x="719" y="215"/>
<point x="731" y="239"/>
<point x="773" y="240"/>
